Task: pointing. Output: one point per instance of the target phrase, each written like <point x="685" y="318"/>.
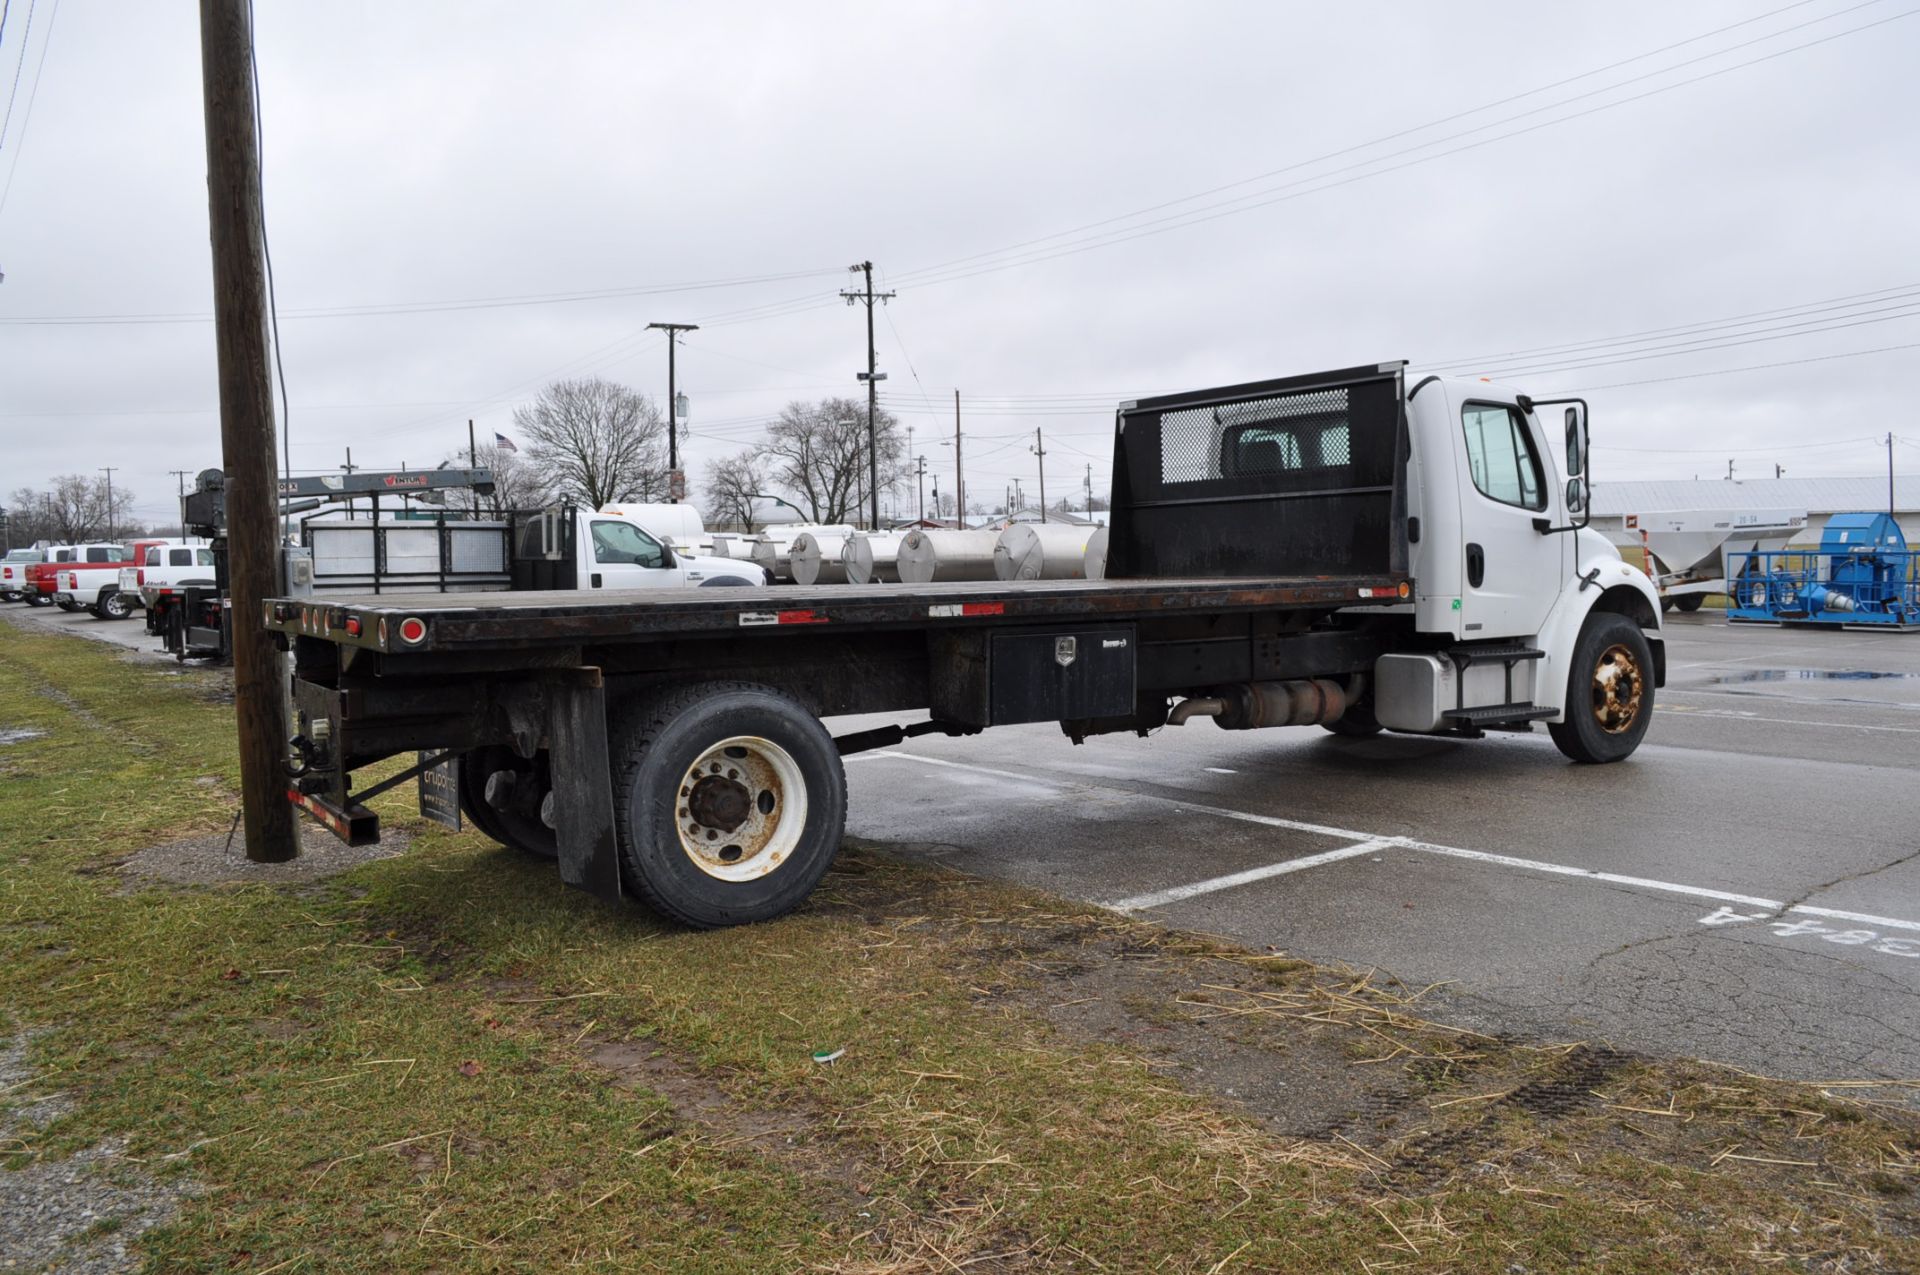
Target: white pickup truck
<point x="13" y="572"/>
<point x="165" y="570"/>
<point x="94" y="585"/>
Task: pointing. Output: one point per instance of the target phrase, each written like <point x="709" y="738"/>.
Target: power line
<point x="1263" y="199"/>
<point x="1389" y="137"/>
<point x="378" y="309"/>
<point x="1752" y="367"/>
<point x="26" y="121"/>
<point x="1847" y="301"/>
<point x="19" y="65"/>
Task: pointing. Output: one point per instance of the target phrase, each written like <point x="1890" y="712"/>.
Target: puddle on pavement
<point x="1809" y="675"/>
<point x="18" y="735"/>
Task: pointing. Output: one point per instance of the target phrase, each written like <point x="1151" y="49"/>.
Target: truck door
<point x="622" y="556"/>
<point x="1510" y="571"/>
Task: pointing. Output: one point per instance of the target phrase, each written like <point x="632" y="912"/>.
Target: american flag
<point x="501" y="440"/>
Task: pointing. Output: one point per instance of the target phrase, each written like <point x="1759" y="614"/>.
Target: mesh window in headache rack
<point x="1309" y="431"/>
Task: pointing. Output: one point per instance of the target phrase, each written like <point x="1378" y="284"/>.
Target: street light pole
<point x="676" y="483"/>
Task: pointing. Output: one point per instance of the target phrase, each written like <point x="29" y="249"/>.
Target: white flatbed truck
<point x="1340" y="549"/>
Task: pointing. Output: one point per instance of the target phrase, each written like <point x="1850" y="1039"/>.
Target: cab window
<point x="625" y="544"/>
<point x="1501" y="456"/>
<point x="205" y="557"/>
<point x="153" y="557"/>
<point x="180" y="557"/>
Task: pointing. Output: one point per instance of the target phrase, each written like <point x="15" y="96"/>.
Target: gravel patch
<point x="211" y="860"/>
<point x="78" y="1216"/>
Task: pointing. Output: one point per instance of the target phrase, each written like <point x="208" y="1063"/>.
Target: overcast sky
<point x="421" y="154"/>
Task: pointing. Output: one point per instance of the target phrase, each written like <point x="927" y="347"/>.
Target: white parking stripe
<point x="1368" y="843"/>
<point x="1730" y="714"/>
<point x="1160" y="898"/>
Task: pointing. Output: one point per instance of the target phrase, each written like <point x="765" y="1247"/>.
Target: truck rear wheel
<point x="38" y="599"/>
<point x="1609" y="691"/>
<point x="730" y="801"/>
<point x="1689" y="602"/>
<point x="114" y="606"/>
<point x="501" y="794"/>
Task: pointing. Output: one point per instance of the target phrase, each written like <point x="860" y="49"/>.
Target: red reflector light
<point x="140" y="576"/>
<point x="352" y="626"/>
<point x="413" y="630"/>
<point x="983" y="608"/>
<point x="802" y="617"/>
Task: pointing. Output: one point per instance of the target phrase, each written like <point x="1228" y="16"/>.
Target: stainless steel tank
<point x="926" y="556"/>
<point x="1044" y="551"/>
<point x="872" y="557"/>
<point x="816" y="558"/>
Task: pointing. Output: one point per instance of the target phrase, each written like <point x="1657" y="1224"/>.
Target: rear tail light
<point x="140" y="576"/>
<point x="413" y="630"/>
<point x="352" y="626"/>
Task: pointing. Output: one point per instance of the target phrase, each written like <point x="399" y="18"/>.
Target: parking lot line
<point x="1371" y="843"/>
<point x="1160" y="898"/>
<point x="1735" y="715"/>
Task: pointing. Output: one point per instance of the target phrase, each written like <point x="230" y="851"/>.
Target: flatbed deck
<point x="469" y="621"/>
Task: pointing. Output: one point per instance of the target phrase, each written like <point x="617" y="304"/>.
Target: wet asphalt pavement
<point x="1746" y="888"/>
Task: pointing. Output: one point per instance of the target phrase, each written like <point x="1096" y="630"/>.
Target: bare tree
<point x="729" y="486"/>
<point x="595" y="441"/>
<point x="73" y="509"/>
<point x="818" y="452"/>
<point x="517" y="482"/>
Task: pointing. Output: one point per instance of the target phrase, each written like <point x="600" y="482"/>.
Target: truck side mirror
<point x="1576" y="443"/>
<point x="1576" y="494"/>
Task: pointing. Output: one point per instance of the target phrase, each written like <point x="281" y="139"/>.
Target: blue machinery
<point x="1862" y="576"/>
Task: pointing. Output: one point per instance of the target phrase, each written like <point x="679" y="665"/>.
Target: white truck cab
<point x="616" y="552"/>
<point x="1510" y="578"/>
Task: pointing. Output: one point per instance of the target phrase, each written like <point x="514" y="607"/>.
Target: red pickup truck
<point x="94" y="586"/>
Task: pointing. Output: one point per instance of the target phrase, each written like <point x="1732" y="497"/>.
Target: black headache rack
<point x="1301" y="474"/>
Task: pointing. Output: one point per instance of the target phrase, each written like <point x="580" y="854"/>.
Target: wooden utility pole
<point x="872" y="376"/>
<point x="247" y="447"/>
<point x="959" y="476"/>
<point x="1039" y="449"/>
<point x="676" y="482"/>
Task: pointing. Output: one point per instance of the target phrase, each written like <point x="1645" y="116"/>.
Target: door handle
<point x="595" y="579"/>
<point x="1476" y="565"/>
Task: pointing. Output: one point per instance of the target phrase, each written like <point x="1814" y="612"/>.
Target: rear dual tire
<point x="729" y="802"/>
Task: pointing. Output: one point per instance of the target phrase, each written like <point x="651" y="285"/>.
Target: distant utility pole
<point x="181" y="476"/>
<point x="921" y="475"/>
<point x="1089" y="491"/>
<point x="873" y="378"/>
<point x="1890" y="504"/>
<point x="108" y="471"/>
<point x="676" y="481"/>
<point x="1039" y="449"/>
<point x="1729" y="469"/>
<point x="1778" y="471"/>
<point x="959" y="475"/>
<point x="247" y="443"/>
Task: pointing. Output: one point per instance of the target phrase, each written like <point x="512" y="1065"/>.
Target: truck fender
<point x="1619" y="588"/>
<point x="738" y="582"/>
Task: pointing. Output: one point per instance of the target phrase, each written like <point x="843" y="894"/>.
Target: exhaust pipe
<point x="1251" y="705"/>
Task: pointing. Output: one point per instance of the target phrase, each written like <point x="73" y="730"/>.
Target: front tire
<point x="730" y="802"/>
<point x="1609" y="692"/>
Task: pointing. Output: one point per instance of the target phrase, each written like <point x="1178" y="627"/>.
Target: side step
<point x="1465" y="655"/>
<point x="1497" y="714"/>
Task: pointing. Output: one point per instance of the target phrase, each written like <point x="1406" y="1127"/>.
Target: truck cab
<point x="565" y="547"/>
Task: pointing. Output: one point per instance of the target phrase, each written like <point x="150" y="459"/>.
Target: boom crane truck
<point x="1340" y="549"/>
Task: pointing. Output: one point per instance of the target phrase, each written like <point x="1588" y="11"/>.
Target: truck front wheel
<point x="730" y="801"/>
<point x="1609" y="691"/>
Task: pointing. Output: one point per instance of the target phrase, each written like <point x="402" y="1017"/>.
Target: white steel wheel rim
<point x="740" y="808"/>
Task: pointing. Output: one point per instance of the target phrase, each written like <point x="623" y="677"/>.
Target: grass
<point x="445" y="1061"/>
